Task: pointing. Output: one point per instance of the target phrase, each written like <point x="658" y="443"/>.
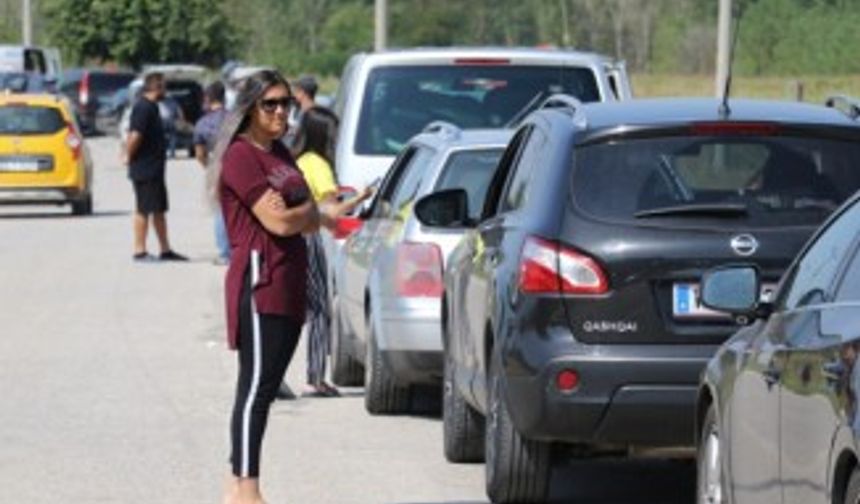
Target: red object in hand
<point x="345" y="226"/>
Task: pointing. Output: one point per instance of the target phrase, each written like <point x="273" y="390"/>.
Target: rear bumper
<point x="409" y="337"/>
<point x="38" y="195"/>
<point x="628" y="395"/>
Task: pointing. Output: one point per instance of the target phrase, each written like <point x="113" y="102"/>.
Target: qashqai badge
<point x="744" y="245"/>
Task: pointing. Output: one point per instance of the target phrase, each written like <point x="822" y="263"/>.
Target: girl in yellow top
<point x="315" y="149"/>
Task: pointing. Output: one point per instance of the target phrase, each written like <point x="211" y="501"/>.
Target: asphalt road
<point x="115" y="384"/>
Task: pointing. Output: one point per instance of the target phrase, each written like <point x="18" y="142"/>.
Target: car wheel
<point x="382" y="394"/>
<point x="346" y="371"/>
<point x="517" y="469"/>
<point x="710" y="488"/>
<point x="852" y="492"/>
<point x="83" y="206"/>
<point x="462" y="426"/>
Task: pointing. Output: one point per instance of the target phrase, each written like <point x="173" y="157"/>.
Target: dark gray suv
<point x="572" y="321"/>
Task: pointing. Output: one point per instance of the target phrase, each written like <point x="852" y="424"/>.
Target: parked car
<point x="41" y="60"/>
<point x="109" y="113"/>
<point x="571" y="321"/>
<point x="388" y="289"/>
<point x="43" y="157"/>
<point x="777" y="413"/>
<point x="88" y="89"/>
<point x="386" y="98"/>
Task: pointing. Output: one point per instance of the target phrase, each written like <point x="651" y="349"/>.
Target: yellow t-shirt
<point x="318" y="174"/>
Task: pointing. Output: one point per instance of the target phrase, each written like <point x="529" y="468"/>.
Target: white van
<point x="386" y="98"/>
<point x="41" y="60"/>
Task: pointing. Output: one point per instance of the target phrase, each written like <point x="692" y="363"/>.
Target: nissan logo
<point x="744" y="245"/>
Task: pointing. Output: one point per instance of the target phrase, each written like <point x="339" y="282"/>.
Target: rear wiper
<point x="706" y="209"/>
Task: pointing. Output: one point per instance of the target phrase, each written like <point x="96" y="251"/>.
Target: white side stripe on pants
<point x="255" y="380"/>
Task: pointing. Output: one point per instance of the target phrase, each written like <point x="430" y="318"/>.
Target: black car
<point x="778" y="409"/>
<point x="88" y="89"/>
<point x="571" y="317"/>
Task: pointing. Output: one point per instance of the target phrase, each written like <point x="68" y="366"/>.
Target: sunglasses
<point x="270" y="106"/>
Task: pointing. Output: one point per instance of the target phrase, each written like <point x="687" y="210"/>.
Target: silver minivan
<point x="387" y="299"/>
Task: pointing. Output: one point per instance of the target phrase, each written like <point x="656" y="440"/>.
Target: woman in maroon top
<point x="267" y="207"/>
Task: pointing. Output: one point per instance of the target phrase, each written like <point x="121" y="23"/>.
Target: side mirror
<point x="732" y="289"/>
<point x="446" y="209"/>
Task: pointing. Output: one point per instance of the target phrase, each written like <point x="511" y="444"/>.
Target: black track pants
<point x="266" y="346"/>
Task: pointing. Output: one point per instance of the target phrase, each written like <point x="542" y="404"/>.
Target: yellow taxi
<point x="43" y="158"/>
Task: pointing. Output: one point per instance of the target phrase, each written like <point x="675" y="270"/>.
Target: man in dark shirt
<point x="146" y="163"/>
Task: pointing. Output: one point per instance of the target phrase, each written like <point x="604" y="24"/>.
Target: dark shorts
<point x="151" y="196"/>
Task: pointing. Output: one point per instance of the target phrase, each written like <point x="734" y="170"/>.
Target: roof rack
<point x="561" y="101"/>
<point x="444" y="128"/>
<point x="848" y="105"/>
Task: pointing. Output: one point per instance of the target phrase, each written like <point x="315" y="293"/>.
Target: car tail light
<point x="74" y="142"/>
<point x="84" y="90"/>
<point x="419" y="270"/>
<point x="345" y="226"/>
<point x="547" y="267"/>
<point x="734" y="129"/>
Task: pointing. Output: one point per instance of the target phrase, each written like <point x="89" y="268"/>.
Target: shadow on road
<point x="41" y="214"/>
<point x="618" y="482"/>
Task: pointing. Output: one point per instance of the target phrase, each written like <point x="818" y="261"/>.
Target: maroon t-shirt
<point x="247" y="172"/>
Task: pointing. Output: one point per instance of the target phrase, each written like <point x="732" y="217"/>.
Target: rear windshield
<point x="400" y="101"/>
<point x="106" y="83"/>
<point x="26" y="120"/>
<point x="472" y="171"/>
<point x="756" y="182"/>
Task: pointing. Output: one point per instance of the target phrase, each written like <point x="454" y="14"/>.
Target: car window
<point x="407" y="189"/>
<point x="472" y="171"/>
<point x="770" y="181"/>
<point x="849" y="286"/>
<point x="810" y="280"/>
<point x="515" y="196"/>
<point x="506" y="164"/>
<point x="26" y="120"/>
<point x="399" y="101"/>
<point x="382" y="202"/>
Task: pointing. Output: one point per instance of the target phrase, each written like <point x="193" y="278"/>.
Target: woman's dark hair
<point x="251" y="90"/>
<point x="318" y="134"/>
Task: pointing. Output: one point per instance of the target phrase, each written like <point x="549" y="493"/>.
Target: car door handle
<point x="833" y="371"/>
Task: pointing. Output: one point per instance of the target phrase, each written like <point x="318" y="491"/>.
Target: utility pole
<point x="26" y="23"/>
<point x="724" y="29"/>
<point x="381" y="25"/>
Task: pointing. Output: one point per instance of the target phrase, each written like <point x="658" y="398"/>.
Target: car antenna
<point x="724" y="109"/>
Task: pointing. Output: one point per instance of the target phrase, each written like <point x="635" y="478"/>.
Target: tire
<point x="710" y="483"/>
<point x="382" y="394"/>
<point x="517" y="469"/>
<point x="346" y="371"/>
<point x="852" y="491"/>
<point x="83" y="206"/>
<point x="462" y="426"/>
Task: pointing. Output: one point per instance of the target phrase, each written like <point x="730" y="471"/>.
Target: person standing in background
<point x="305" y="92"/>
<point x="205" y="136"/>
<point x="315" y="151"/>
<point x="146" y="159"/>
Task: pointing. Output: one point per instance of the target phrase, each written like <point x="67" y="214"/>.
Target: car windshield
<point x="400" y="101"/>
<point x="470" y="170"/>
<point x="21" y="82"/>
<point x="758" y="182"/>
<point x="26" y="120"/>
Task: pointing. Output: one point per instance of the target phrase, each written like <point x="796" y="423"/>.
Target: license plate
<point x="686" y="303"/>
<point x="19" y="165"/>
